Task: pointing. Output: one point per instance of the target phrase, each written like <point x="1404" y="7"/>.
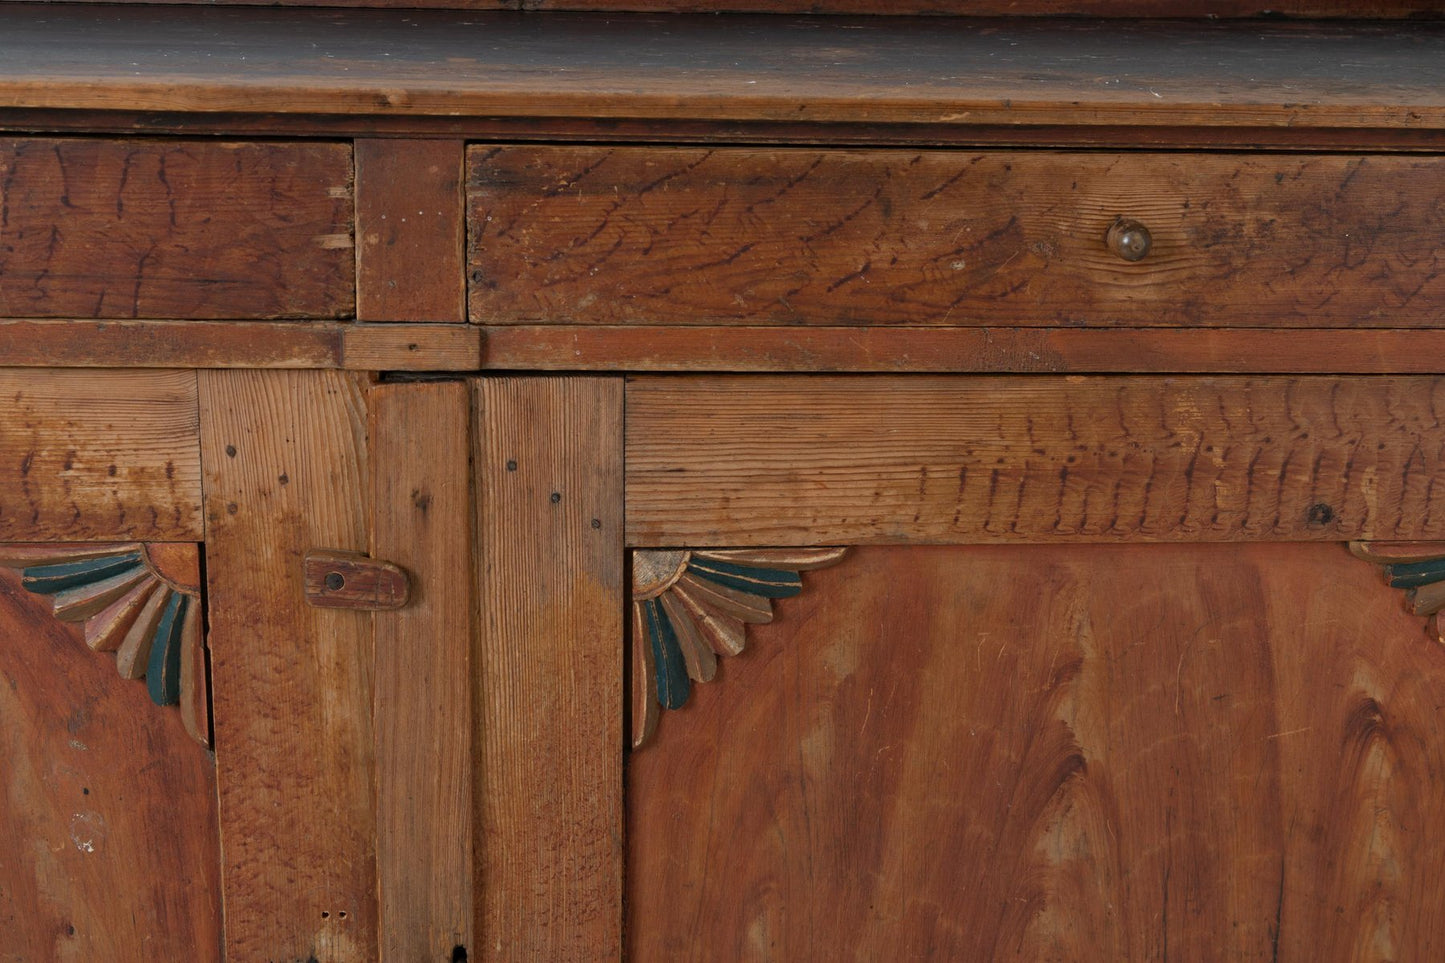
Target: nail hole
<point x="511" y="465"/>
<point x="1321" y="514"/>
<point x="325" y="915"/>
<point x="230" y="451"/>
<point x="335" y="581"/>
<point x="556" y="497"/>
<point x="459" y="954"/>
<point x="596" y="523"/>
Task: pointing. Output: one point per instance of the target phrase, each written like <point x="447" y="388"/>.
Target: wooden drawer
<point x="175" y="229"/>
<point x="602" y="235"/>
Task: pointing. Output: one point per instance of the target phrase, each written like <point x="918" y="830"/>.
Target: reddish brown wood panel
<point x="285" y="457"/>
<point x="105" y="455"/>
<point x="154" y="229"/>
<point x="1055" y="753"/>
<point x="603" y="235"/>
<point x="108" y="840"/>
<point x="409" y="227"/>
<point x="421" y="475"/>
<point x="903" y="349"/>
<point x="953" y="73"/>
<point x="549" y="669"/>
<point x="772" y="460"/>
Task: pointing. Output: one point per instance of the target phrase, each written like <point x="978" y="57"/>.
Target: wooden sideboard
<point x="486" y="484"/>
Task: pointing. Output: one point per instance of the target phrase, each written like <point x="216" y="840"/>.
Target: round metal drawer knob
<point x="1129" y="239"/>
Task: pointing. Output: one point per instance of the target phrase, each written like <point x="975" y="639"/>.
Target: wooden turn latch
<point x="350" y="580"/>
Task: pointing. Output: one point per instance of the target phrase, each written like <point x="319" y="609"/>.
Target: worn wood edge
<point x="744" y="348"/>
<point x="48" y="343"/>
<point x="288" y="96"/>
<point x="691" y="606"/>
<point x="680" y="130"/>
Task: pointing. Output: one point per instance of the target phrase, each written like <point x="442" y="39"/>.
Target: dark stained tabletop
<point x="728" y="67"/>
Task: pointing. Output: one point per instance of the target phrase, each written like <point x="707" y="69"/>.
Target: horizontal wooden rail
<point x="783" y="348"/>
<point x="240" y="344"/>
<point x="99" y="456"/>
<point x="741" y="460"/>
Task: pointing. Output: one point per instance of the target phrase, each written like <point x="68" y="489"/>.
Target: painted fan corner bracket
<point x="1419" y="569"/>
<point x="140" y="600"/>
<point x="690" y="606"/>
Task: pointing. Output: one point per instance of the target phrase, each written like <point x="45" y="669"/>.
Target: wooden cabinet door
<point x="1053" y="752"/>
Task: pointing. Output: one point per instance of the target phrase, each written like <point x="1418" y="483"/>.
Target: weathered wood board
<point x="764" y="460"/>
<point x="640" y="235"/>
<point x="96" y="228"/>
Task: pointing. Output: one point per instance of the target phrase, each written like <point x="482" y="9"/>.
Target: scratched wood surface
<point x="1137" y="753"/>
<point x="285" y="459"/>
<point x="549" y="672"/>
<point x="603" y="235"/>
<point x="150" y="229"/>
<point x="763" y="460"/>
<point x="953" y="72"/>
<point x="420" y="442"/>
<point x="99" y="455"/>
<point x="108" y="837"/>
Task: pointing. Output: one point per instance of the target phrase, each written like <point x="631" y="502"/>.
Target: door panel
<point x="1054" y="753"/>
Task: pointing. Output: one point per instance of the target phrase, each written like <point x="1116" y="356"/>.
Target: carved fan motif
<point x="690" y="606"/>
<point x="1417" y="567"/>
<point x="140" y="601"/>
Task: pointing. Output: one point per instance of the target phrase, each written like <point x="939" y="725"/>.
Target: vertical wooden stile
<point x="284" y="464"/>
<point x="409" y="231"/>
<point x="420" y="457"/>
<point x="550" y="695"/>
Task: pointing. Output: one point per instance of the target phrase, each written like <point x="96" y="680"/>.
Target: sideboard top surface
<point x="389" y="63"/>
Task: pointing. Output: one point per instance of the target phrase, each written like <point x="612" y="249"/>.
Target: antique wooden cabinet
<point x="670" y="485"/>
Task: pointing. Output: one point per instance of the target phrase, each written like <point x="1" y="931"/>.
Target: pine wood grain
<point x="421" y="476"/>
<point x="104" y="455"/>
<point x="1055" y="753"/>
<point x="409" y="229"/>
<point x="927" y="71"/>
<point x="783" y="348"/>
<point x="603" y="235"/>
<point x="76" y="343"/>
<point x="189" y="229"/>
<point x="549" y="714"/>
<point x="108" y="837"/>
<point x="285" y="458"/>
<point x="766" y="460"/>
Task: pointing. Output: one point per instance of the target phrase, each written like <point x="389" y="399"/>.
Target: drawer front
<point x="658" y="236"/>
<point x="175" y="229"/>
